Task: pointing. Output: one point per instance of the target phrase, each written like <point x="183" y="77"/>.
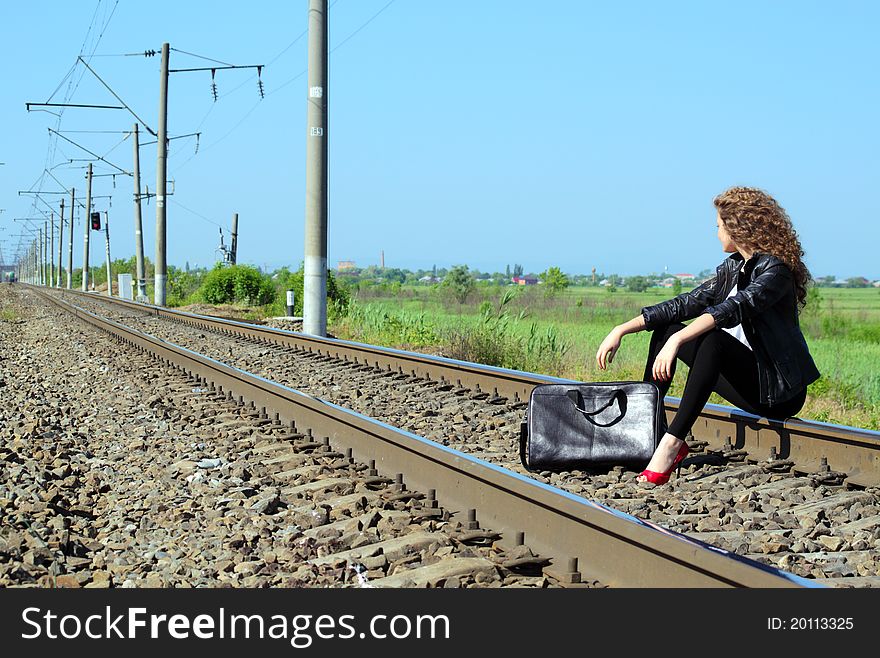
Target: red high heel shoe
<point x="662" y="478"/>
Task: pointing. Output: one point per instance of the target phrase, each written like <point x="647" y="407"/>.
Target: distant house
<point x="524" y="280"/>
<point x="345" y="265"/>
<point x="684" y="277"/>
<point x="669" y="281"/>
<point x="876" y="284"/>
<point x="429" y="279"/>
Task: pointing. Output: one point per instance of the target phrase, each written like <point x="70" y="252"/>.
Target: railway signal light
<point x="96" y="221"/>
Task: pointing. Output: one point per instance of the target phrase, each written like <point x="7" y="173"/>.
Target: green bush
<point x="458" y="284"/>
<point x="237" y="284"/>
<point x="182" y="286"/>
<point x="555" y="281"/>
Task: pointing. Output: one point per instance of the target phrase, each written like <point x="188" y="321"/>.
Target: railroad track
<point x="786" y="509"/>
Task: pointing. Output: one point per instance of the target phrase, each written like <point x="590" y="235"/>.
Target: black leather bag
<point x="582" y="426"/>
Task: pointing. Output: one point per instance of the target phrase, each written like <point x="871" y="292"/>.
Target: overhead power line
<point x="217" y="61"/>
<point x="335" y="48"/>
<point x="284" y="84"/>
<point x="67" y="139"/>
<point x="116" y="96"/>
<point x="200" y="216"/>
<point x="370" y="20"/>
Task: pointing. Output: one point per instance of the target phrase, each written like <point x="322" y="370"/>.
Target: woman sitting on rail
<point x="745" y="343"/>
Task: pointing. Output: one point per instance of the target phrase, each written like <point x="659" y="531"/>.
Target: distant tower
<point x="594" y="276"/>
<point x="382" y="259"/>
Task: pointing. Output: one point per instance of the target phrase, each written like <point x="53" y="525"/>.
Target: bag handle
<point x="575" y="396"/>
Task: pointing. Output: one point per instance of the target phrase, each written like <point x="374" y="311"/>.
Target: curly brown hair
<point x="757" y="222"/>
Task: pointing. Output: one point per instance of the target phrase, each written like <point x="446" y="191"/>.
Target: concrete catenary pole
<point x="40" y="272"/>
<point x="60" y="241"/>
<point x="107" y="243"/>
<point x="315" y="279"/>
<point x="138" y="224"/>
<point x="38" y="269"/>
<point x="41" y="259"/>
<point x="51" y="281"/>
<point x="70" y="240"/>
<point x="161" y="165"/>
<point x="86" y="230"/>
<point x="234" y="247"/>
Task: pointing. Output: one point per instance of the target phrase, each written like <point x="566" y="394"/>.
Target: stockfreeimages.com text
<point x="300" y="630"/>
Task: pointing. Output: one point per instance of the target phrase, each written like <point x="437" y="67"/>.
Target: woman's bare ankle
<point x="665" y="453"/>
<point x="671" y="439"/>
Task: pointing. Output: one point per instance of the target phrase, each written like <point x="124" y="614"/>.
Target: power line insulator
<point x="150" y="53"/>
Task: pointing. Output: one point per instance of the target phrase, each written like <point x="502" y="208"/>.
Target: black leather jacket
<point x="766" y="306"/>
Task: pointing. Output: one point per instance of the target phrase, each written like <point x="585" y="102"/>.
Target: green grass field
<point x="559" y="335"/>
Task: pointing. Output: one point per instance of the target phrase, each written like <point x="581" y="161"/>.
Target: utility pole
<point x="107" y="240"/>
<point x="70" y="240"/>
<point x="60" y="241"/>
<point x="234" y="247"/>
<point x="161" y="165"/>
<point x="138" y="226"/>
<point x="315" y="280"/>
<point x="162" y="161"/>
<point x="42" y="257"/>
<point x="52" y="252"/>
<point x="88" y="228"/>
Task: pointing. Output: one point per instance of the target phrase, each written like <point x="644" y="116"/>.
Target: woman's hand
<point x="666" y="359"/>
<point x="608" y="348"/>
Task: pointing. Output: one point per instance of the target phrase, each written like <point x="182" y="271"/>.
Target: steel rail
<point x="610" y="546"/>
<point x="813" y="446"/>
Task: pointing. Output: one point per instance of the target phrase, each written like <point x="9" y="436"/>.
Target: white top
<point x="737" y="331"/>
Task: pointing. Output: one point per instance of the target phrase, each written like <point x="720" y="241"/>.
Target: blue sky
<point x="487" y="133"/>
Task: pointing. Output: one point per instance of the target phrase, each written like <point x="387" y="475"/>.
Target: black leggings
<point x="718" y="362"/>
